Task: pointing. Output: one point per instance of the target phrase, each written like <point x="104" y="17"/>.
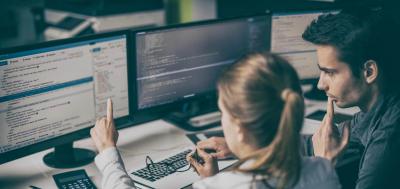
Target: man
<point x="357" y="55"/>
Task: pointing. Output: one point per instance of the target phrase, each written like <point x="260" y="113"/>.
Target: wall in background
<point x="181" y="11"/>
<point x="17" y="19"/>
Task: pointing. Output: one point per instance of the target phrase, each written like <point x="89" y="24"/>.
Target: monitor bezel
<point x="75" y="135"/>
<point x="212" y="94"/>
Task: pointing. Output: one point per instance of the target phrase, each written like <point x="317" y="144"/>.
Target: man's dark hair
<point x="360" y="34"/>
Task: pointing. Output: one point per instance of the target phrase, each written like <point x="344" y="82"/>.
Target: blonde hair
<point x="263" y="92"/>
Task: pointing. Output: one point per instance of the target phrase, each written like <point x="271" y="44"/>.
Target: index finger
<point x="330" y="110"/>
<point x="109" y="110"/>
<point x="206" y="144"/>
<point x="210" y="143"/>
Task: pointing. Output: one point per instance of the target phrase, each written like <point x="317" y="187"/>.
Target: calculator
<point x="74" y="180"/>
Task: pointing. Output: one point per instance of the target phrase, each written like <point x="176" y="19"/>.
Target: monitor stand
<point x="315" y="94"/>
<point x="195" y="116"/>
<point x="65" y="156"/>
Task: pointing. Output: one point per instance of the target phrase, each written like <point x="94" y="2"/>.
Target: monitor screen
<point x="181" y="62"/>
<point x="59" y="89"/>
<point x="286" y="31"/>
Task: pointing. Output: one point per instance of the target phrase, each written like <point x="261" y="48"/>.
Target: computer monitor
<point x="180" y="64"/>
<point x="286" y="40"/>
<point x="51" y="94"/>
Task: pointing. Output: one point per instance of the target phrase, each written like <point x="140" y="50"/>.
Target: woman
<point x="262" y="115"/>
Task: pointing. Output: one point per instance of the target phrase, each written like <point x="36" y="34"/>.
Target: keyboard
<point x="163" y="168"/>
<point x="167" y="171"/>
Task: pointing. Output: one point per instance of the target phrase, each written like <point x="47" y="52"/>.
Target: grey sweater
<point x="316" y="173"/>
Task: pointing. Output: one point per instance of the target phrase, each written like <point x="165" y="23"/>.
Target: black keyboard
<point x="163" y="168"/>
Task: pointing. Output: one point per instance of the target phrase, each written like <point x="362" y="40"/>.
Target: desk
<point x="155" y="138"/>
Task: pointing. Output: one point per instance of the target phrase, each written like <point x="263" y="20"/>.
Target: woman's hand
<point x="104" y="134"/>
<point x="218" y="144"/>
<point x="208" y="168"/>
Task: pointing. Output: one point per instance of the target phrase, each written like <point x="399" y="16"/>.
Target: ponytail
<point x="266" y="98"/>
<point x="281" y="159"/>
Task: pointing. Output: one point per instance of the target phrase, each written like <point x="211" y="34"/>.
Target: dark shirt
<point x="376" y="134"/>
<point x="375" y="138"/>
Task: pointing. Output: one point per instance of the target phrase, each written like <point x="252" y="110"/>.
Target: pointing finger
<point x="329" y="111"/>
<point x="109" y="110"/>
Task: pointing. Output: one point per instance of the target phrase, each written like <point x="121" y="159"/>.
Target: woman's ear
<point x="371" y="71"/>
<point x="240" y="131"/>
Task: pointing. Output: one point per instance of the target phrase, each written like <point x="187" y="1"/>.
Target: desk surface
<point x="156" y="138"/>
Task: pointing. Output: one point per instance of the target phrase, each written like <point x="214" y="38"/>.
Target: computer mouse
<point x="196" y="156"/>
<point x="210" y="151"/>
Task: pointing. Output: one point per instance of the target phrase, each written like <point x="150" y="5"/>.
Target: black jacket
<point x="375" y="139"/>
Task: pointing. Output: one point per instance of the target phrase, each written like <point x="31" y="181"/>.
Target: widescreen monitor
<point x="182" y="63"/>
<point x="52" y="93"/>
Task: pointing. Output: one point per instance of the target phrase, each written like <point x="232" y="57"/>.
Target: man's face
<point x="337" y="79"/>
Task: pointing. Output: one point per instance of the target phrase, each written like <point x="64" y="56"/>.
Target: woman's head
<point x="262" y="108"/>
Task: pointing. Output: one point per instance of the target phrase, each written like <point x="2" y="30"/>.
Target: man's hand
<point x="208" y="168"/>
<point x="104" y="134"/>
<point x="218" y="144"/>
<point x="327" y="141"/>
